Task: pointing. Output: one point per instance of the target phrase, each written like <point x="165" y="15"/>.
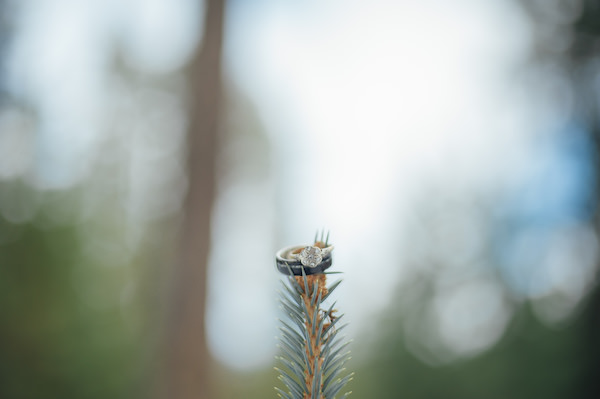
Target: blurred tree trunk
<point x="188" y="357"/>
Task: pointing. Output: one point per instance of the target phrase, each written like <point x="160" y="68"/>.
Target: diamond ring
<point x="311" y="256"/>
<point x="310" y="259"/>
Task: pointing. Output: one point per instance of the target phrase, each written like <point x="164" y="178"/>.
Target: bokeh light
<point x="449" y="147"/>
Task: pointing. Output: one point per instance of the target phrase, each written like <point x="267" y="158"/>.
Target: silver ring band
<point x="290" y="265"/>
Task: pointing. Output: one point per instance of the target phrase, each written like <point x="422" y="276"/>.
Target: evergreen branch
<point x="331" y="377"/>
<point x="331" y="289"/>
<point x="283" y="394"/>
<point x="313" y="354"/>
<point x="337" y="386"/>
<point x="305" y="280"/>
<point x="294" y="367"/>
<point x="330" y="341"/>
<point x="292" y="336"/>
<point x="336" y="363"/>
<point x="332" y="356"/>
<point x="332" y="324"/>
<point x="292" y="308"/>
<point x="316" y="383"/>
<point x="314" y="294"/>
<point x="290" y="294"/>
<point x="320" y="332"/>
<point x="294" y="387"/>
<point x="292" y="352"/>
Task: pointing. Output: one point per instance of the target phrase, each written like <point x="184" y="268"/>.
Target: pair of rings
<point x="312" y="259"/>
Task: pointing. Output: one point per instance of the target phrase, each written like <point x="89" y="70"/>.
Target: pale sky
<point x="365" y="103"/>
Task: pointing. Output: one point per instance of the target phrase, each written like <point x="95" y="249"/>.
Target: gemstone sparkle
<point x="310" y="256"/>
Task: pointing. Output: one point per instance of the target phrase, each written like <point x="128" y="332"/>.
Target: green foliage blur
<point x="531" y="361"/>
<point x="63" y="333"/>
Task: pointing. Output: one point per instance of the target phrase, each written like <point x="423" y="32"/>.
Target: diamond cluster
<point x="311" y="256"/>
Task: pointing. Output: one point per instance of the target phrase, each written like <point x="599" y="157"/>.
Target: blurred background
<point x="155" y="154"/>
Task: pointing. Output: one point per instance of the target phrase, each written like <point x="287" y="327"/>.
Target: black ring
<point x="285" y="265"/>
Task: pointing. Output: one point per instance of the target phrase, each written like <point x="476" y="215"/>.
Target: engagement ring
<point x="311" y="256"/>
<point x="311" y="259"/>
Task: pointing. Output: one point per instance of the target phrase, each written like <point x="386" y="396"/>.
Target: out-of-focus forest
<point x="131" y="159"/>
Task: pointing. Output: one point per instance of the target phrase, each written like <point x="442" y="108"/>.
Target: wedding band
<point x="311" y="259"/>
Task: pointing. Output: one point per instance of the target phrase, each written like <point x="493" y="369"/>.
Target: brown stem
<point x="313" y="343"/>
